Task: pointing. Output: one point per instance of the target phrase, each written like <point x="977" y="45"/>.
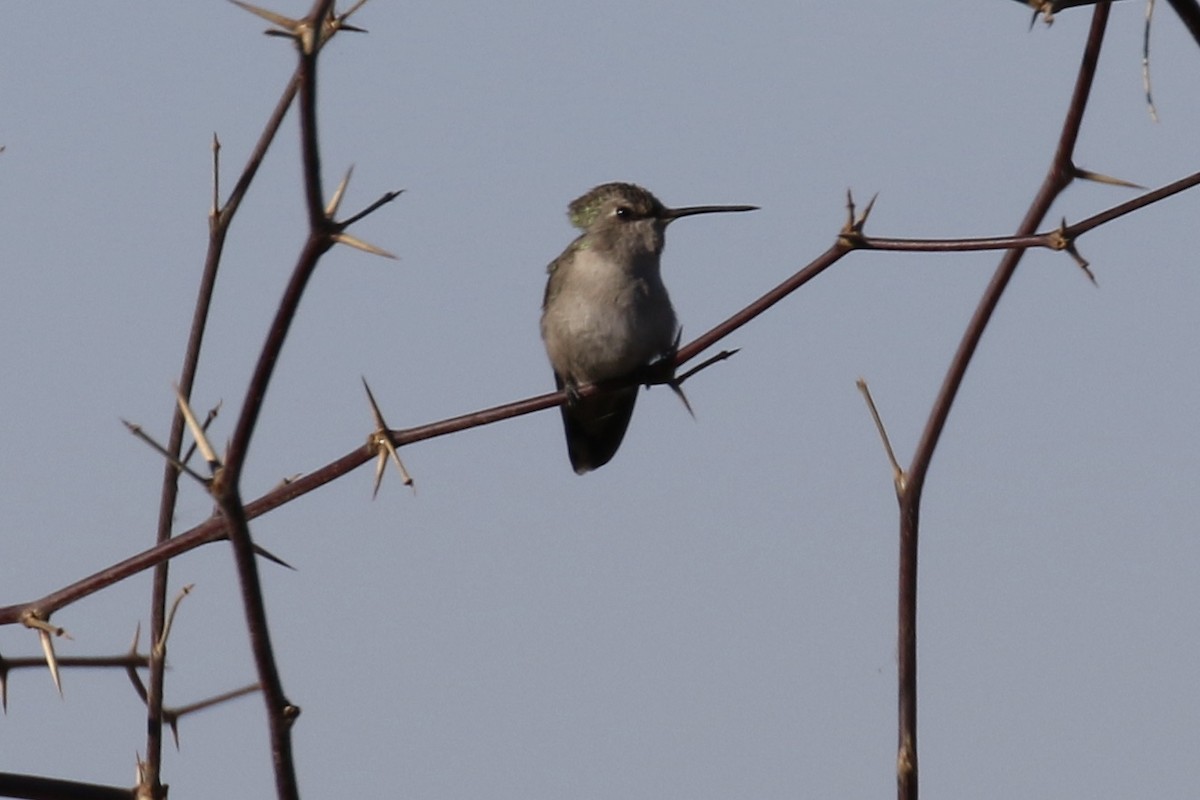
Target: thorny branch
<point x="220" y="219"/>
<point x="281" y="714"/>
<point x="213" y="529"/>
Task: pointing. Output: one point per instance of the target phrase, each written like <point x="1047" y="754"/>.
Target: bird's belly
<point x="603" y="340"/>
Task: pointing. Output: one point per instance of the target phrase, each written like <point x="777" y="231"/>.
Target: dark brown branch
<point x="124" y="661"/>
<point x="1054" y="239"/>
<point x="127" y="661"/>
<point x="1059" y="175"/>
<point x="281" y="714"/>
<point x="1057" y="179"/>
<point x="720" y="331"/>
<point x="220" y="220"/>
<point x="1129" y="206"/>
<point x="371" y="209"/>
<point x="951" y="245"/>
<point x="35" y="786"/>
<point x="1189" y="13"/>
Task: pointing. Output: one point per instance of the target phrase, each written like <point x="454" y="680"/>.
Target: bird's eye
<point x="623" y="212"/>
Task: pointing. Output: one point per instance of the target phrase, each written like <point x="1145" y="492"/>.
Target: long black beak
<point x="675" y="213"/>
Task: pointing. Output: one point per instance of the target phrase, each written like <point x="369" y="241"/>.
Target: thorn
<point x="51" y="660"/>
<point x="899" y="478"/>
<point x="288" y="480"/>
<point x="1059" y="240"/>
<point x="342" y="19"/>
<point x="371" y="209"/>
<point x="380" y="469"/>
<point x="1082" y="263"/>
<point x="678" y="390"/>
<point x="381" y="440"/>
<point x="197" y="430"/>
<point x="299" y="29"/>
<point x="291" y="26"/>
<point x="721" y="356"/>
<point x="160" y="647"/>
<point x="358" y="244"/>
<point x="331" y="207"/>
<point x="140" y="773"/>
<point x="209" y="418"/>
<point x="337" y="22"/>
<point x="375" y="412"/>
<point x="1088" y="175"/>
<point x="867" y="211"/>
<point x="131" y="670"/>
<point x="851" y="234"/>
<point x="215" y="211"/>
<point x="269" y="556"/>
<point x="137" y="431"/>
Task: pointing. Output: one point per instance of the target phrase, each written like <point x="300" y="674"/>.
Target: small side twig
<point x="897" y="471"/>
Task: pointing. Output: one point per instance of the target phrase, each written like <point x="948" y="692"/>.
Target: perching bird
<point x="606" y="313"/>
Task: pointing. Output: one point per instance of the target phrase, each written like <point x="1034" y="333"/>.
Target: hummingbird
<point x="606" y="313"/>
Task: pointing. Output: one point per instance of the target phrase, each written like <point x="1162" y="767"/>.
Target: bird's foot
<point x="572" y="390"/>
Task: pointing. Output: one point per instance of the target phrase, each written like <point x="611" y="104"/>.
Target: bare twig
<point x="160" y="647"/>
<point x="172" y="715"/>
<point x="174" y="462"/>
<point x="706" y="363"/>
<point x="897" y="470"/>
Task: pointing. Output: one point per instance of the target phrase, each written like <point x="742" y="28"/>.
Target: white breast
<point x="606" y="322"/>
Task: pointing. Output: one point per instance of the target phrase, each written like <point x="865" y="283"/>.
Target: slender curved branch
<point x="220" y="219"/>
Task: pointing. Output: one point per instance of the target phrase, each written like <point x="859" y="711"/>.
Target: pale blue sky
<point x="712" y="615"/>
